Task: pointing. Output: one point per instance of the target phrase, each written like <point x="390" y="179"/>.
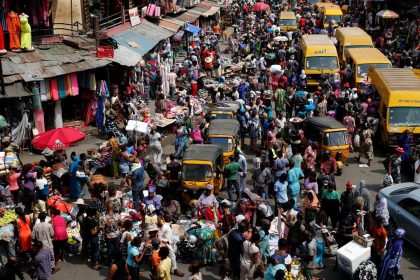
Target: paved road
<point x="74" y="268"/>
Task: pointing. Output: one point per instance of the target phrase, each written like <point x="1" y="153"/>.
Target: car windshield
<point x="336" y="18"/>
<point x="224" y="143"/>
<point x="321" y="63"/>
<point x="196" y="172"/>
<point x="337" y="138"/>
<point x="287" y="22"/>
<point x="362" y="69"/>
<point x="404" y="190"/>
<point x="404" y="116"/>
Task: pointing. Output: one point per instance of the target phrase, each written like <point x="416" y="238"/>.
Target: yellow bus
<point x="318" y="56"/>
<point x="330" y="12"/>
<point x="360" y="59"/>
<point x="351" y="37"/>
<point x="287" y="21"/>
<point x="398" y="93"/>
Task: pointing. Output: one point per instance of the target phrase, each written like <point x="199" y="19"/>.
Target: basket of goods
<point x="7" y="216"/>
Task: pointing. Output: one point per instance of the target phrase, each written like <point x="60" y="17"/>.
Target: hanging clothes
<point x="1" y="38"/>
<point x="26" y="33"/>
<point x="100" y="113"/>
<point x="36" y="98"/>
<point x="61" y="87"/>
<point x="74" y="84"/>
<point x="13" y="26"/>
<point x="19" y="133"/>
<point x="39" y="120"/>
<point x="44" y="90"/>
<point x="54" y="89"/>
<point x="58" y="115"/>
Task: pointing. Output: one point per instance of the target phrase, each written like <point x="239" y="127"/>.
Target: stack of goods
<point x="7" y="216"/>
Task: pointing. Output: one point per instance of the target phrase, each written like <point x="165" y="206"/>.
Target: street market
<point x="209" y="140"/>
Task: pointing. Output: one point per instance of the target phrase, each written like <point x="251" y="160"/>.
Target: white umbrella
<point x="275" y="68"/>
<point x="281" y="39"/>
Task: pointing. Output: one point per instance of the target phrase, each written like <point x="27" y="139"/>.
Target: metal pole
<point x="3" y="88"/>
<point x="96" y="28"/>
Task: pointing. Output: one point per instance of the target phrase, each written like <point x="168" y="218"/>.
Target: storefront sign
<point x="134" y="16"/>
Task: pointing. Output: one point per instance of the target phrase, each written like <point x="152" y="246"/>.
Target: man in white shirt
<point x="167" y="236"/>
<point x="417" y="170"/>
<point x="172" y="82"/>
<point x="263" y="63"/>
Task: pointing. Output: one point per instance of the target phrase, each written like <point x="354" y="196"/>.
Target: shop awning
<point x="188" y="17"/>
<point x="143" y="37"/>
<point x="170" y="25"/>
<point x="126" y="57"/>
<point x="199" y="10"/>
<point x="178" y="36"/>
<point x="15" y="90"/>
<point x="212" y="11"/>
<point x="192" y="28"/>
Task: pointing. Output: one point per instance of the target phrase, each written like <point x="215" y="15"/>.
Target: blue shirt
<point x="281" y="191"/>
<point x="270" y="272"/>
<point x="132" y="251"/>
<point x="280" y="166"/>
<point x="138" y="177"/>
<point x="293" y="177"/>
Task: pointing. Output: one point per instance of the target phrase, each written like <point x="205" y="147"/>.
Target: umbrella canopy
<point x="281" y="39"/>
<point x="260" y="6"/>
<point x="58" y="138"/>
<point x="387" y="14"/>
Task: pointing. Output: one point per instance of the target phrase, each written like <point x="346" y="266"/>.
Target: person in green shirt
<point x="231" y="173"/>
<point x="331" y="203"/>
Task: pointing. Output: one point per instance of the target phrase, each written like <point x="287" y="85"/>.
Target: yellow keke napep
<point x="351" y="37"/>
<point x="329" y="133"/>
<point x="330" y="12"/>
<point x="225" y="134"/>
<point x="416" y="72"/>
<point x="318" y="56"/>
<point x="287" y="21"/>
<point x="361" y="59"/>
<point x="202" y="165"/>
<point x="398" y="93"/>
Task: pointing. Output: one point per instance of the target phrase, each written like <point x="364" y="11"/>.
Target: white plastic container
<point x="350" y="256"/>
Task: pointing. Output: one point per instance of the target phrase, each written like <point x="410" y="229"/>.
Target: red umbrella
<point x="58" y="138"/>
<point x="260" y="6"/>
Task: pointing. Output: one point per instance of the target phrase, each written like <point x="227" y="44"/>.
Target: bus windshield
<point x="362" y="69"/>
<point x="404" y="116"/>
<point x="321" y="63"/>
<point x="196" y="172"/>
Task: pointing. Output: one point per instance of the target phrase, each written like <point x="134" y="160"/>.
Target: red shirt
<point x="60" y="228"/>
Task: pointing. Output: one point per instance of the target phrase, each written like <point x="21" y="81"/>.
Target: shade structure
<point x="58" y="138"/>
<point x="387" y="14"/>
<point x="192" y="28"/>
<point x="260" y="6"/>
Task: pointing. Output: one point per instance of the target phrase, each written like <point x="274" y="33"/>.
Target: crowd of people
<point x="289" y="189"/>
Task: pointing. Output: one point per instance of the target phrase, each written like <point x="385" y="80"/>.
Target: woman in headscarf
<point x="208" y="204"/>
<point x="381" y="210"/>
<point x="392" y="258"/>
<point x="74" y="183"/>
<point x="310" y="206"/>
<point x="363" y="192"/>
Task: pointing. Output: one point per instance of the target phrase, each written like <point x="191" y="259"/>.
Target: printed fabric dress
<point x="203" y="251"/>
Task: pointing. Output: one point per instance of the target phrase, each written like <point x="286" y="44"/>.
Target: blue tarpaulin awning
<point x="192" y="28"/>
<point x="143" y="37"/>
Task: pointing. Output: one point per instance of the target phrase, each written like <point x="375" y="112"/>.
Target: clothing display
<point x="58" y="115"/>
<point x="25" y="34"/>
<point x="2" y="48"/>
<point x="13" y="26"/>
<point x="39" y="120"/>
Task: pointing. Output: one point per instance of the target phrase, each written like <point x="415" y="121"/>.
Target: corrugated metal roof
<point x="188" y="17"/>
<point x="145" y="35"/>
<point x="57" y="60"/>
<point x="211" y="11"/>
<point x="125" y="56"/>
<point x="169" y="25"/>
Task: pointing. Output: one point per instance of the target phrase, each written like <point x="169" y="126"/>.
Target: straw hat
<point x="80" y="201"/>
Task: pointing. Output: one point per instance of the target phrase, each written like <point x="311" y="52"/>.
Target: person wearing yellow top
<point x="164" y="269"/>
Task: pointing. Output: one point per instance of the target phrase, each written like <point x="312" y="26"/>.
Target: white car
<point x="404" y="209"/>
